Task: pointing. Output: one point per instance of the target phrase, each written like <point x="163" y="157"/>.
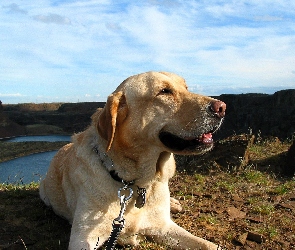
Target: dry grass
<point x="218" y="205"/>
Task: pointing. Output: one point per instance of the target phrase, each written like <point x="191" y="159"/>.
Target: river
<point x="26" y="169"/>
<point x="50" y="138"/>
<point x="29" y="168"/>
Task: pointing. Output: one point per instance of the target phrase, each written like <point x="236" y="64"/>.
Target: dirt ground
<point x="252" y="208"/>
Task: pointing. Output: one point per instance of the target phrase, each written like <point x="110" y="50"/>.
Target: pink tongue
<point x="207" y="138"/>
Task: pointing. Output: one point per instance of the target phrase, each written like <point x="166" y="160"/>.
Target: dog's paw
<point x="175" y="206"/>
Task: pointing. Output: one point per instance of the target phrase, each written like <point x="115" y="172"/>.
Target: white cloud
<point x="268" y="18"/>
<point x="52" y="18"/>
<point x="94" y="45"/>
<point x="14" y="8"/>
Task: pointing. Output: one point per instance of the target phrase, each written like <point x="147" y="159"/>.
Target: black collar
<point x="113" y="173"/>
<point x="140" y="200"/>
<point x="115" y="176"/>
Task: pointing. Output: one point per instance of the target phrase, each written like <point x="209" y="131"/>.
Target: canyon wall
<point x="257" y="113"/>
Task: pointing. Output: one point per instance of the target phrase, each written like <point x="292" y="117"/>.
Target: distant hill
<point x="49" y="118"/>
<point x="260" y="113"/>
<point x="8" y="127"/>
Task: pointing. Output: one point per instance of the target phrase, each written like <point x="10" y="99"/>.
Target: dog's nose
<point x="218" y="107"/>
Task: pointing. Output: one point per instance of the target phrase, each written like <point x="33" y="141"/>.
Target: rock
<point x="66" y="117"/>
<point x="266" y="114"/>
<point x="230" y="153"/>
<point x="234" y="213"/>
<point x="289" y="167"/>
<point x="255" y="219"/>
<point x="288" y="205"/>
<point x="241" y="239"/>
<point x="259" y="238"/>
<point x="237" y="198"/>
<point x="292" y="196"/>
<point x="284" y="244"/>
<point x="8" y="128"/>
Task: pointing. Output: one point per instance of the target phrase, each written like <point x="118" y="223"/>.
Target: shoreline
<point x="3" y="139"/>
<point x="12" y="150"/>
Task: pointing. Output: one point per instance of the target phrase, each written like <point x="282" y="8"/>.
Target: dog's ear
<point x="114" y="112"/>
<point x="95" y="116"/>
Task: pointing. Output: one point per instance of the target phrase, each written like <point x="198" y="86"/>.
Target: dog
<point x="129" y="146"/>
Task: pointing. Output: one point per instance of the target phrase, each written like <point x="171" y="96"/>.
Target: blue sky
<point x="74" y="51"/>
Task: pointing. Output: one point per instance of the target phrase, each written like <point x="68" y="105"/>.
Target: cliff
<point x="50" y="118"/>
<point x="9" y="128"/>
<point x="260" y="113"/>
<point x="267" y="115"/>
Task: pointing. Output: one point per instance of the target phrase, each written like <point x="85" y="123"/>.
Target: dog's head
<point x="156" y="109"/>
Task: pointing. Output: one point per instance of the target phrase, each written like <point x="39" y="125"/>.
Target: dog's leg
<point x="89" y="233"/>
<point x="85" y="240"/>
<point x="175" y="206"/>
<point x="178" y="238"/>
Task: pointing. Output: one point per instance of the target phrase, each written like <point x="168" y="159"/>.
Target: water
<point x="29" y="168"/>
<point x="50" y="138"/>
<point x="26" y="169"/>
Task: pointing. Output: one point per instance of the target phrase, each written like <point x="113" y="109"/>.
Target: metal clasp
<point x="123" y="200"/>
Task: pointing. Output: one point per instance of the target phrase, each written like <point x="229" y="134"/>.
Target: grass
<point x="255" y="190"/>
<point x="16" y="189"/>
<point x="264" y="199"/>
<point x="262" y="208"/>
<point x="255" y="177"/>
<point x="268" y="147"/>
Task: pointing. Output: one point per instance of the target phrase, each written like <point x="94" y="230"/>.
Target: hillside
<point x="263" y="114"/>
<point x="8" y="127"/>
<point x="46" y="118"/>
<point x="257" y="113"/>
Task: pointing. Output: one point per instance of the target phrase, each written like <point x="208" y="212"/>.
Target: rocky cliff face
<point x="260" y="113"/>
<point x="9" y="128"/>
<point x="49" y="118"/>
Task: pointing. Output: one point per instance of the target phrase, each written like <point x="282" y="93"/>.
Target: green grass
<point x="19" y="186"/>
<point x="208" y="218"/>
<point x="262" y="208"/>
<point x="255" y="177"/>
<point x="284" y="188"/>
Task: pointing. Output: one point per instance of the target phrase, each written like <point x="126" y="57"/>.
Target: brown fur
<point x="125" y="134"/>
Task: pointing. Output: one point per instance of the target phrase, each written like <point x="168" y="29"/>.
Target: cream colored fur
<point x="124" y="136"/>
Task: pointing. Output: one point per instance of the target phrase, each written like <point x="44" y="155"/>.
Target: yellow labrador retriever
<point x="129" y="147"/>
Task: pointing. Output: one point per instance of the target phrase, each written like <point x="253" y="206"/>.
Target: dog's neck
<point x="143" y="179"/>
<point x="130" y="167"/>
<point x="108" y="163"/>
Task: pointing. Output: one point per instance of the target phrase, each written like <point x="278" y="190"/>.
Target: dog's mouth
<point x="203" y="142"/>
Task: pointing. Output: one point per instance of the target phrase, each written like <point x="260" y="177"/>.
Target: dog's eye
<point x="166" y="91"/>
